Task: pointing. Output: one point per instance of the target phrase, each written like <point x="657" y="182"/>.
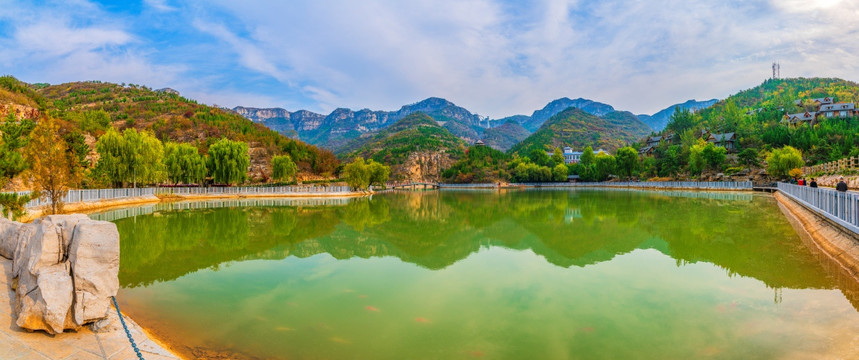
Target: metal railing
<point x="93" y="195"/>
<point x="704" y="185"/>
<point x="253" y="190"/>
<point x="116" y="214"/>
<point x="840" y="207"/>
<point x="470" y="186"/>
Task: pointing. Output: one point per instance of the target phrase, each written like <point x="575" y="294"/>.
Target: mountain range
<point x="577" y="128"/>
<point x="335" y="130"/>
<point x="658" y="121"/>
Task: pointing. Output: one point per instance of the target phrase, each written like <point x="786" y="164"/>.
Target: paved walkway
<point x="110" y="343"/>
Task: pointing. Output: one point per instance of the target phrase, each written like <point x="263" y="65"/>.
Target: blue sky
<point x="493" y="57"/>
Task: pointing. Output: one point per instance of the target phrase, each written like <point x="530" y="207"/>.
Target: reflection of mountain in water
<point x="747" y="237"/>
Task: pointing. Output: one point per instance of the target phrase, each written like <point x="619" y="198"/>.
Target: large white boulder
<point x="67" y="269"/>
<point x="44" y="301"/>
<point x="9" y="237"/>
<point x="94" y="257"/>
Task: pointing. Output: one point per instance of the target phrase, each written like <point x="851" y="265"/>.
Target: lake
<point x="555" y="274"/>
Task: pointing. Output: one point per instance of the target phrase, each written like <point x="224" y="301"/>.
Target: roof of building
<point x="837" y="107"/>
<point x="821" y="101"/>
<point x="722" y="137"/>
<point x="806" y="116"/>
<point x="646" y="149"/>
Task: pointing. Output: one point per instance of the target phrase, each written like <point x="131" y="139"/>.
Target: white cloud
<point x="160" y="5"/>
<point x="54" y="38"/>
<point x="72" y="41"/>
<point x="494" y="57"/>
<point x="479" y="54"/>
<point x="249" y="54"/>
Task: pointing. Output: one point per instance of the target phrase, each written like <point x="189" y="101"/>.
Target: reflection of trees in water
<point x="167" y="245"/>
<point x="437" y="229"/>
<point x="364" y="212"/>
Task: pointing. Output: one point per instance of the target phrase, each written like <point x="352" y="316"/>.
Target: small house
<point x="799" y="118"/>
<point x="840" y="110"/>
<point x="726" y="140"/>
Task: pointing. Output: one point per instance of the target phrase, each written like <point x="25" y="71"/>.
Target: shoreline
<point x="102" y="205"/>
<point x="837" y="244"/>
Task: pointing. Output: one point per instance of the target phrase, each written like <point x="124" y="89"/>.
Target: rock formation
<point x="65" y="269"/>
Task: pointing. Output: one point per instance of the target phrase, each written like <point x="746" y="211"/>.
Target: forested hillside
<point x="577" y="128"/>
<point x="415" y="132"/>
<point x="758" y="117"/>
<point x="86" y="110"/>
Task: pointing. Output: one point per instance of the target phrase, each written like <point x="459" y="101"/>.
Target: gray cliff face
<point x="335" y="129"/>
<point x="551" y="109"/>
<point x="262" y="115"/>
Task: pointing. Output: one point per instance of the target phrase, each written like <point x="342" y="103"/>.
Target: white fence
<point x="468" y="186"/>
<point x="704" y="185"/>
<point x="840" y="207"/>
<point x="77" y="196"/>
<point x="128" y="212"/>
<point x="254" y="190"/>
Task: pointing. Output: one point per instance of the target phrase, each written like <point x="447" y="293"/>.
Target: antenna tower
<point x="776" y="70"/>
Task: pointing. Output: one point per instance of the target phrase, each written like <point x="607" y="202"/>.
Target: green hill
<point x="91" y="107"/>
<point x="757" y="117"/>
<point x="505" y="136"/>
<point x="413" y="133"/>
<point x="578" y="129"/>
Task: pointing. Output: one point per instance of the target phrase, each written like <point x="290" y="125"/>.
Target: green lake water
<point x="585" y="274"/>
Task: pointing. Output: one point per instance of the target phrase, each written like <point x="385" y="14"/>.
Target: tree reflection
<point x="748" y="237"/>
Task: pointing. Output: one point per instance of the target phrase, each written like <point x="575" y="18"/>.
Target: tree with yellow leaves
<point x="53" y="169"/>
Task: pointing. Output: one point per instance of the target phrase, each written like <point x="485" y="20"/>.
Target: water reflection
<point x="437" y="229"/>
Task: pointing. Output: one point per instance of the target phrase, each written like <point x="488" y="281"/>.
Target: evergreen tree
<point x="15" y="136"/>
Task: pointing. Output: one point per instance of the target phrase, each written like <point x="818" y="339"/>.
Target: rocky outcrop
<point x="65" y="270"/>
<point x="423" y="166"/>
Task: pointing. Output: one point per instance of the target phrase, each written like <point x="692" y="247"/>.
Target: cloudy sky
<point x="493" y="57"/>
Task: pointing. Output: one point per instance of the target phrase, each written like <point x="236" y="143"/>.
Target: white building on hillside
<point x="570" y="156"/>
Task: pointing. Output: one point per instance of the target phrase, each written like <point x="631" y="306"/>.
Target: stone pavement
<point x="109" y="343"/>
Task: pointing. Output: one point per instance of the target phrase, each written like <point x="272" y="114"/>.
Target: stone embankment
<point x="837" y="243"/>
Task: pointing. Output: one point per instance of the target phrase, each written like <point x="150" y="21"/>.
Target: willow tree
<point x="781" y="161"/>
<point x="627" y="161"/>
<point x="131" y="157"/>
<point x="229" y="161"/>
<point x="144" y="156"/>
<point x="53" y="168"/>
<point x="357" y="174"/>
<point x="110" y="148"/>
<point x="283" y="168"/>
<point x="184" y="164"/>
